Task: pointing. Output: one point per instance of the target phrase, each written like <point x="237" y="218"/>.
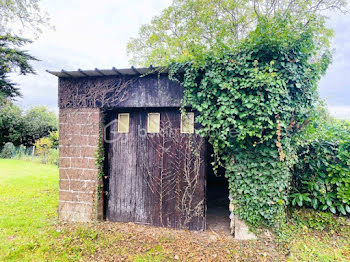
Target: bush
<point x="47" y="150"/>
<point x="52" y="156"/>
<point x="43" y="145"/>
<point x="317" y="220"/>
<point x="8" y="151"/>
<point x="322" y="174"/>
<point x="53" y="136"/>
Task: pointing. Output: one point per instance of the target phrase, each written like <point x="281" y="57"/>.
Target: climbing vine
<point x="253" y="101"/>
<point x="100" y="158"/>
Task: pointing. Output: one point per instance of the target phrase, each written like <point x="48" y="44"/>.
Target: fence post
<point x="33" y="152"/>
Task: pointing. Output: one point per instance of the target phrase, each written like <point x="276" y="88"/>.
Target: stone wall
<point x="79" y="131"/>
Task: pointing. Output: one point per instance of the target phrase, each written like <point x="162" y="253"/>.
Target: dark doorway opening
<point x="218" y="214"/>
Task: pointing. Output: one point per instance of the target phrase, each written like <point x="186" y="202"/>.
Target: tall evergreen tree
<point x="13" y="59"/>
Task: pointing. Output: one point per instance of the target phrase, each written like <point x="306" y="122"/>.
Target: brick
<point x="64" y="162"/>
<point x="74" y="207"/>
<point x="88" y="151"/>
<point x="68" y="196"/>
<point x="90" y="174"/>
<point x="64" y="184"/>
<point x="79" y="162"/>
<point x="92" y="140"/>
<point x="90" y="129"/>
<point x="75" y="216"/>
<point x="76" y="196"/>
<point x="79" y="135"/>
<point x="78" y="173"/>
<point x="69" y="129"/>
<point x="70" y="151"/>
<point x="72" y="173"/>
<point x="73" y="140"/>
<point x="86" y="186"/>
<point x="95" y="117"/>
<point x="86" y="197"/>
<point x="91" y="164"/>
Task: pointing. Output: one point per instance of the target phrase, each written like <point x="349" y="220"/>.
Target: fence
<point x="50" y="156"/>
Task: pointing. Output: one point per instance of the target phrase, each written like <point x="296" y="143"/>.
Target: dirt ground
<point x="131" y="242"/>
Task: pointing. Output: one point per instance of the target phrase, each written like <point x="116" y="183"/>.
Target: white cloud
<point x="341" y="112"/>
<point x="88" y="34"/>
<point x="94" y="33"/>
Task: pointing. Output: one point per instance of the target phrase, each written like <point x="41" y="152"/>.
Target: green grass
<point x="28" y="203"/>
<point x="315" y="236"/>
<point x="29" y="231"/>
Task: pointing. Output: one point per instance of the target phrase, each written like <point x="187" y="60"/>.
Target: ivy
<point x="99" y="160"/>
<point x="321" y="177"/>
<point x="253" y="101"/>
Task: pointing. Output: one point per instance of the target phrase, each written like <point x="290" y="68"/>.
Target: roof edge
<point x="109" y="72"/>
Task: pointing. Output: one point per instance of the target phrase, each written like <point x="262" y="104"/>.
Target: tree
<point x="26" y="13"/>
<point x="189" y="29"/>
<point x="11" y="124"/>
<point x="38" y="122"/>
<point x="11" y="59"/>
<point x="25" y="128"/>
<point x="17" y="14"/>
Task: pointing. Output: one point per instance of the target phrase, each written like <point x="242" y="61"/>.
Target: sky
<point x="90" y="34"/>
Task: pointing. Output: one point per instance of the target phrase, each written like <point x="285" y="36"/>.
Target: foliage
<point x="316" y="220"/>
<point x="51" y="157"/>
<point x="11" y="124"/>
<point x="47" y="150"/>
<point x="190" y="29"/>
<point x="100" y="159"/>
<point x="8" y="150"/>
<point x="322" y="174"/>
<point x="25" y="128"/>
<point x="21" y="151"/>
<point x="12" y="59"/>
<point x="54" y="137"/>
<point x="252" y="102"/>
<point x="38" y="122"/>
<point x="26" y="14"/>
<point x="42" y="145"/>
<point x="312" y="235"/>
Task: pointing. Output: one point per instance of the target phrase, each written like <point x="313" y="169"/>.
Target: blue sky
<point x="94" y="33"/>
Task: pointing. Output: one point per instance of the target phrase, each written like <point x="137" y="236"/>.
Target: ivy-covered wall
<point x="253" y="102"/>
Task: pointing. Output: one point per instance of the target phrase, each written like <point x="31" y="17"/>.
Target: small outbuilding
<point x="127" y="152"/>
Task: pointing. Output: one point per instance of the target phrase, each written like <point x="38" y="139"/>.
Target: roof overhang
<point x="107" y="72"/>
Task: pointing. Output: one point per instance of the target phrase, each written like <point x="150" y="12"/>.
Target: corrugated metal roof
<point x="107" y="72"/>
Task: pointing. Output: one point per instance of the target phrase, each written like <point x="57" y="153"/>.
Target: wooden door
<point x="157" y="178"/>
<point x="125" y="195"/>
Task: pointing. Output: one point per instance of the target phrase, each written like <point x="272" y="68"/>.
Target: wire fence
<point x="49" y="156"/>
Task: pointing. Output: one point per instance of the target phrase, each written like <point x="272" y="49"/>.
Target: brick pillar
<point x="78" y="144"/>
<point x="238" y="228"/>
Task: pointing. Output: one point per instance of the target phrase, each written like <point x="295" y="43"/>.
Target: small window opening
<point x="187" y="123"/>
<point x="153" y="122"/>
<point x="123" y="123"/>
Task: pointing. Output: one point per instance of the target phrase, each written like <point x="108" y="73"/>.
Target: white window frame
<point x="149" y="122"/>
<point x="119" y="123"/>
<point x="191" y="123"/>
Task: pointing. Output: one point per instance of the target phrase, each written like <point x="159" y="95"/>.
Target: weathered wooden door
<point x="156" y="174"/>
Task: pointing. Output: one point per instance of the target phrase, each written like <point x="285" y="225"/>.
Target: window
<point x="123" y="123"/>
<point x="187" y="123"/>
<point x="153" y="122"/>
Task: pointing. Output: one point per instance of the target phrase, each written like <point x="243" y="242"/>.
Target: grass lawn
<point x="28" y="203"/>
<point x="29" y="231"/>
